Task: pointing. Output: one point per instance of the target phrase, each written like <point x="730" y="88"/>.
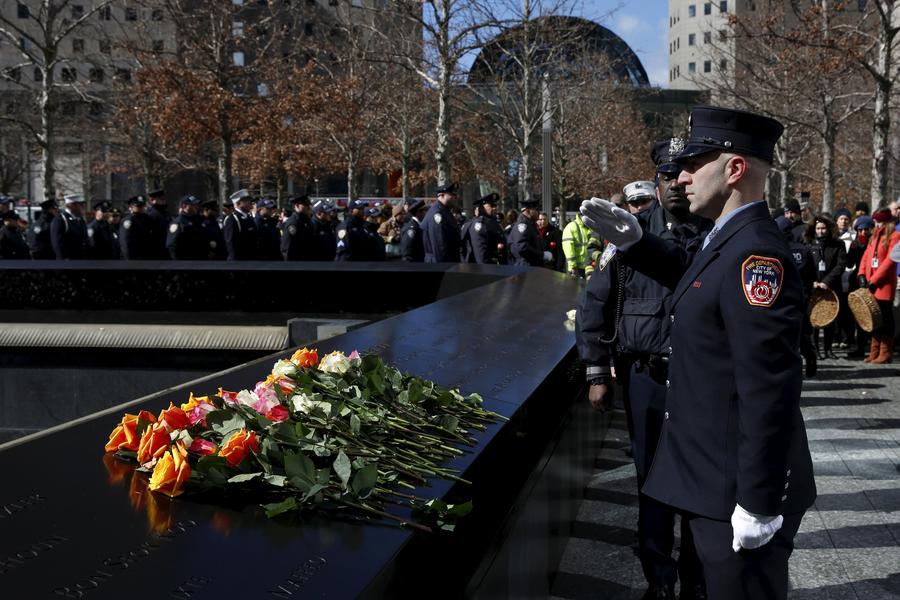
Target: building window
<point x="77" y="46"/>
<point x="77" y="11"/>
<point x="237" y="2"/>
<point x="68" y="75"/>
<point x="159" y="46"/>
<point x="96" y="109"/>
<point x="861" y="4"/>
<point x="692" y="10"/>
<point x="308" y="28"/>
<point x="131" y="14"/>
<point x="692" y="67"/>
<point x="707" y="66"/>
<point x="723" y="6"/>
<point x="237" y="29"/>
<point x="22" y="11"/>
<point x="38" y="76"/>
<point x="238" y="59"/>
<point x="723" y="65"/>
<point x="96" y="75"/>
<point x="357" y="3"/>
<point x="105" y="13"/>
<point x="707" y="37"/>
<point x="723" y="35"/>
<point x="707" y="8"/>
<point x="13" y="74"/>
<point x="262" y="90"/>
<point x="105" y="47"/>
<point x="692" y="39"/>
<point x="156" y="14"/>
<point x="123" y="75"/>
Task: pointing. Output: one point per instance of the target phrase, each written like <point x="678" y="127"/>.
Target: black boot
<point x="812" y="365"/>
<point x="693" y="591"/>
<point x="659" y="592"/>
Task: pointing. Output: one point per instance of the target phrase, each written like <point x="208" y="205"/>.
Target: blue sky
<point x="643" y="24"/>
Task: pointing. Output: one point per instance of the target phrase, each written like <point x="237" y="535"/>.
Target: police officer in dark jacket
<point x="624" y="320"/>
<point x="324" y="246"/>
<point x="239" y="229"/>
<point x="187" y="240"/>
<point x="136" y="232"/>
<point x="39" y="232"/>
<point x="68" y="231"/>
<point x="524" y="241"/>
<point x="157" y="210"/>
<point x="103" y="243"/>
<point x="412" y="245"/>
<point x="483" y="239"/>
<point x="297" y="233"/>
<point x="733" y="453"/>
<point x="268" y="231"/>
<point x="440" y="230"/>
<point x="212" y="231"/>
<point x="376" y="248"/>
<point x="12" y="242"/>
<point x="353" y="240"/>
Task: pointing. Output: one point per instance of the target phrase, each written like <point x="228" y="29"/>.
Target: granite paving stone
<point x="848" y="545"/>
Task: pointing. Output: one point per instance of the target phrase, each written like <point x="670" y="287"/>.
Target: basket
<point x="865" y="309"/>
<point x="823" y="308"/>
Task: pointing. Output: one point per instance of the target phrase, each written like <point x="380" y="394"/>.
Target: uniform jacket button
<point x="787" y="484"/>
<point x="668" y="384"/>
<point x="671" y="318"/>
<point x="667" y="415"/>
<point x="783" y="498"/>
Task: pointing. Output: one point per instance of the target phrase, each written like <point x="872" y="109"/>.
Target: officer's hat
<point x="190" y="200"/>
<point x="447" y="188"/>
<point x="73" y="199"/>
<point x="784" y="224"/>
<point x="136" y="201"/>
<point x="323" y="206"/>
<point x="491" y="198"/>
<point x="639" y="190"/>
<point x="227" y="203"/>
<point x="532" y="202"/>
<point x="240" y="195"/>
<point x="304" y="200"/>
<point x="265" y="203"/>
<point x="4" y="199"/>
<point x="415" y="206"/>
<point x="9" y="214"/>
<point x="663" y="153"/>
<point x="48" y="204"/>
<point x="356" y="203"/>
<point x="373" y="211"/>
<point x="792" y="206"/>
<point x="157" y="193"/>
<point x="210" y="204"/>
<point x="714" y="128"/>
<point x="104" y="205"/>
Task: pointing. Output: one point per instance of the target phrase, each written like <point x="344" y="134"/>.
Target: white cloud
<point x="628" y="24"/>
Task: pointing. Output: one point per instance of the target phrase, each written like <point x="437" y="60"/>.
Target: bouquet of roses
<point x="336" y="433"/>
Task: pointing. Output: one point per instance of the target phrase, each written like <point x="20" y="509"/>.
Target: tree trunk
<point x="828" y="177"/>
<point x="351" y="179"/>
<point x="882" y="126"/>
<point x="226" y="182"/>
<point x="47" y="141"/>
<point x="442" y="127"/>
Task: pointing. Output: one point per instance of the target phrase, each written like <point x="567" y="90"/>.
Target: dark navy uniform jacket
<point x="159" y="232"/>
<point x="269" y="238"/>
<point x="440" y="232"/>
<point x="412" y="246"/>
<point x="103" y="243"/>
<point x="324" y="242"/>
<point x="135" y="237"/>
<point x="187" y="239"/>
<point x="525" y="244"/>
<point x="12" y="244"/>
<point x="297" y="236"/>
<point x="39" y="238"/>
<point x="354" y="242"/>
<point x="68" y="235"/>
<point x="241" y="237"/>
<point x="483" y="241"/>
<point x="733" y="432"/>
<point x="215" y="239"/>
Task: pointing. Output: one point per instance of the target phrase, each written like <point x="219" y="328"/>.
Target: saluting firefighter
<point x="733" y="455"/>
<point x="239" y="228"/>
<point x="440" y="229"/>
<point x="524" y="241"/>
<point x="412" y="245"/>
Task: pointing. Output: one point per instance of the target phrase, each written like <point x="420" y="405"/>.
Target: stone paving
<point x="848" y="546"/>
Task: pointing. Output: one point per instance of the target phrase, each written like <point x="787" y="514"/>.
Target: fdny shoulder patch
<point x="521" y="227"/>
<point x="37" y="229"/>
<point x="762" y="277"/>
<point x="478" y="226"/>
<point x="342" y="233"/>
<point x="173" y="228"/>
<point x="438" y="218"/>
<point x="292" y="229"/>
<point x="126" y="223"/>
<point x="411" y="233"/>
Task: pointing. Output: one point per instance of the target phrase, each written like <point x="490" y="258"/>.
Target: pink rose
<point x="278" y="413"/>
<point x="228" y="397"/>
<point x="267" y="398"/>
<point x="202" y="447"/>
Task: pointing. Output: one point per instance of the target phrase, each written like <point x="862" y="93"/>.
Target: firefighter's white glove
<point x="752" y="531"/>
<point x="547" y="256"/>
<point x="611" y="222"/>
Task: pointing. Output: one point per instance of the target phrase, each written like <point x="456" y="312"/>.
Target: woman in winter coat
<point x="829" y="257"/>
<point x="879" y="273"/>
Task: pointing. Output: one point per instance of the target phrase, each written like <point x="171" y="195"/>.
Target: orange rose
<point x="154" y="443"/>
<point x="174" y="418"/>
<point x="238" y="445"/>
<point x="171" y="472"/>
<point x="124" y="436"/>
<point x="305" y="358"/>
<point x="196" y="409"/>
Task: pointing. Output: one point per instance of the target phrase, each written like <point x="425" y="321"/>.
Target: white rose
<point x="247" y="398"/>
<point x="335" y="362"/>
<point x="305" y="404"/>
<point x="284" y="368"/>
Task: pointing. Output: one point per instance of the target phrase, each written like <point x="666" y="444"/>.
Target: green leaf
<point x="286" y="505"/>
<point x="343" y="468"/>
<point x="298" y="465"/>
<point x="312" y="491"/>
<point x="354" y="424"/>
<point x="323" y="476"/>
<point x="449" y="423"/>
<point x="371" y="363"/>
<point x="364" y="480"/>
<point x="244" y="477"/>
<point x="457" y="511"/>
<point x="276" y="480"/>
<point x="414" y="392"/>
<point x="215" y="469"/>
<point x="225" y="421"/>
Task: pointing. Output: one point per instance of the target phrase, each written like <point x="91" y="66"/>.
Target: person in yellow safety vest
<point x="580" y="245"/>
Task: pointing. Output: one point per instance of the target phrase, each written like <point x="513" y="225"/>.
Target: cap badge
<point x="676" y="146"/>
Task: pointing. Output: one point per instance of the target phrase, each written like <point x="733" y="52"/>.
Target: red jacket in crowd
<point x="884" y="276"/>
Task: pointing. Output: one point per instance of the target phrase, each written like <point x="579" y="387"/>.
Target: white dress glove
<point x="611" y="222"/>
<point x="752" y="531"/>
<point x="547" y="256"/>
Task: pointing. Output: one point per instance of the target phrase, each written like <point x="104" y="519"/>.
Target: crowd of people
<point x="250" y="228"/>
